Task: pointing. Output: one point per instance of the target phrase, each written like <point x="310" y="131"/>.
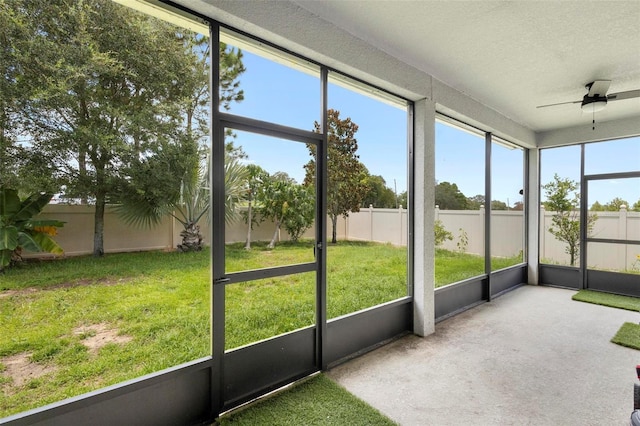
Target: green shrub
<point x="441" y="233"/>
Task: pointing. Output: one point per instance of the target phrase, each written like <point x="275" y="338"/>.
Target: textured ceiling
<point x="510" y="56"/>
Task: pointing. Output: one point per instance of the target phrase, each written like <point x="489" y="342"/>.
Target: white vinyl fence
<point x="507" y="234"/>
<point x="621" y="225"/>
<point x="370" y="224"/>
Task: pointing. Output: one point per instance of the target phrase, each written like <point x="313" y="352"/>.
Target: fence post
<point x="437" y="212"/>
<point x="370" y="222"/>
<point x="622" y="234"/>
<point x="172" y="231"/>
<point x="346" y="227"/>
<point x="400" y="225"/>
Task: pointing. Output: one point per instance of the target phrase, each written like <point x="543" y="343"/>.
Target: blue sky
<point x="601" y="157"/>
<point x="280" y="94"/>
<point x="460" y="159"/>
<point x="285" y="96"/>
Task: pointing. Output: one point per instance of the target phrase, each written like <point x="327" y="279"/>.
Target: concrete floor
<point x="532" y="356"/>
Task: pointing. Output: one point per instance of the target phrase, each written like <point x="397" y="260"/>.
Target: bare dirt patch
<point x="21" y="370"/>
<point x="96" y="336"/>
<point x="9" y="293"/>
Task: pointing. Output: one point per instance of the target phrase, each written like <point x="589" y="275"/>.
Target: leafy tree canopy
<point x="104" y="93"/>
<point x="281" y="200"/>
<point x="563" y="199"/>
<point x="449" y="197"/>
<point x="403" y="199"/>
<point x="499" y="205"/>
<point x="379" y="195"/>
<point x="612" y="206"/>
<point x="347" y="176"/>
<point x="475" y="202"/>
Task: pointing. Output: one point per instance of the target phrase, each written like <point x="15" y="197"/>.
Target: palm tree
<point x="191" y="202"/>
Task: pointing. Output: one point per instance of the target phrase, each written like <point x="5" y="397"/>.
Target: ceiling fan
<point x="596" y="98"/>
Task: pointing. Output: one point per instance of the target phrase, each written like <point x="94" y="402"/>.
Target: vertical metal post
<point x="217" y="229"/>
<point x="487" y="211"/>
<point x="525" y="207"/>
<point x="583" y="221"/>
<point x="410" y="185"/>
<point x="321" y="228"/>
<point x="541" y="220"/>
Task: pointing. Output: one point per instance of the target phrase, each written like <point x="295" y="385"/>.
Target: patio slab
<point x="532" y="356"/>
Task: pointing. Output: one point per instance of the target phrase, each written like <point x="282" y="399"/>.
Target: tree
<point x="231" y="68"/>
<point x="301" y="211"/>
<point x="403" y="199"/>
<point x="286" y="203"/>
<point x="563" y="199"/>
<point x="499" y="205"/>
<point x="346" y="180"/>
<point x="441" y="234"/>
<point x="10" y="29"/>
<point x="449" y="197"/>
<point x="108" y="99"/>
<point x="616" y="204"/>
<point x="100" y="105"/>
<point x="475" y="202"/>
<point x="187" y="201"/>
<point x="256" y="176"/>
<point x="379" y="195"/>
<point x="27" y="174"/>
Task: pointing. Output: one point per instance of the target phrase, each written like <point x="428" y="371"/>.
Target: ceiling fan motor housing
<point x="593" y="103"/>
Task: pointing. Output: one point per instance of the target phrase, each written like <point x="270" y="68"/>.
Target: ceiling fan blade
<point x="599" y="87"/>
<point x="624" y="95"/>
<point x="560" y="103"/>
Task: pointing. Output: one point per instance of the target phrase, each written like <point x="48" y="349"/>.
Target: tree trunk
<point x="334" y="225"/>
<point x="247" y="245"/>
<point x="272" y="244"/>
<point x="98" y="228"/>
<point x="191" y="238"/>
<point x="573" y="254"/>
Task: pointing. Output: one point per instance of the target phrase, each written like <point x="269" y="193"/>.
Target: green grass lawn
<point x="159" y="305"/>
<point x="629" y="333"/>
<point x="452" y="266"/>
<point x="317" y="401"/>
<point x="612" y="300"/>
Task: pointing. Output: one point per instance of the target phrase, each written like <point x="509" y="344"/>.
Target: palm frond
<point x="141" y="213"/>
<point x="236" y="176"/>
